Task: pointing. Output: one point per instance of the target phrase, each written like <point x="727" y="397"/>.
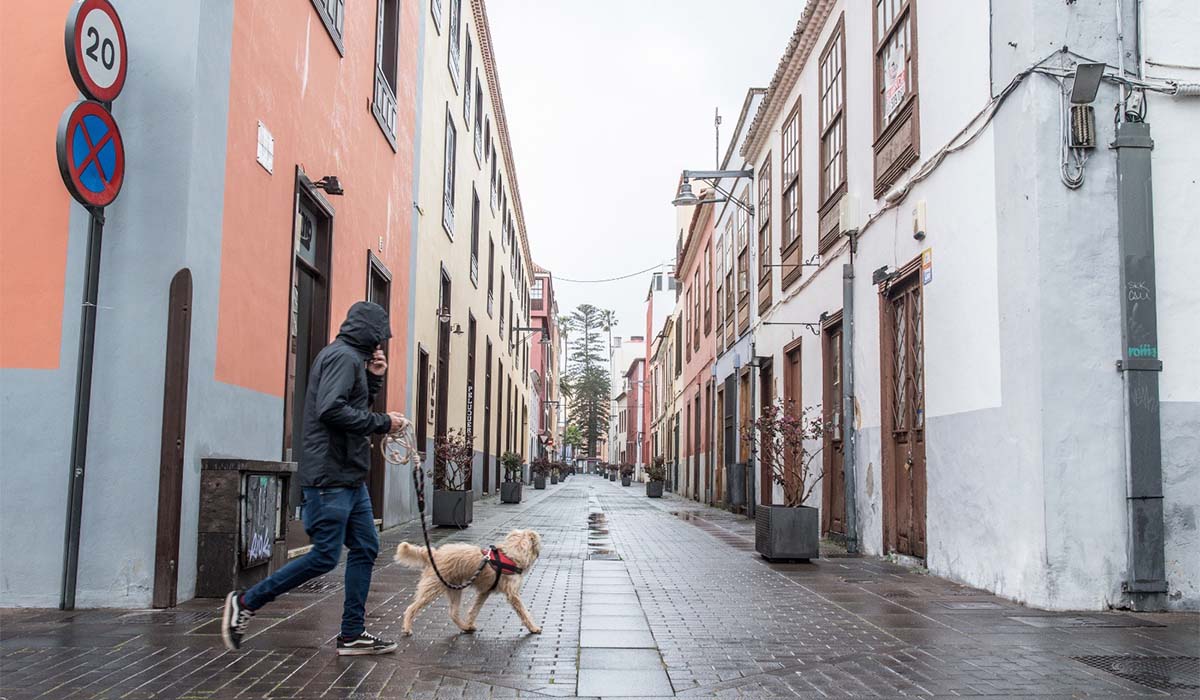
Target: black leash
<point x="419" y="485"/>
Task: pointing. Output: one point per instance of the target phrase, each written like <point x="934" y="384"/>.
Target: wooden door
<point x="793" y="401"/>
<point x="697" y="442"/>
<point x="379" y="291"/>
<point x="487" y="417"/>
<point x="903" y="394"/>
<point x="441" y="417"/>
<point x="833" y="493"/>
<point x="730" y="426"/>
<point x="174" y="429"/>
<point x="718" y="471"/>
<point x="766" y="470"/>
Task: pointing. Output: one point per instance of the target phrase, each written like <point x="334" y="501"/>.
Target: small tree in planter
<point x="539" y="468"/>
<point x="510" y="490"/>
<point x="612" y="472"/>
<point x="790" y="530"/>
<point x="657" y="475"/>
<point x="555" y="472"/>
<point x="454" y="453"/>
<point x="626" y="474"/>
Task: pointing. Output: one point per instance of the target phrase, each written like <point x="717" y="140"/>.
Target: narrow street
<point x="637" y="597"/>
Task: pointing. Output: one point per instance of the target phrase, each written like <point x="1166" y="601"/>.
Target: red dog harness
<point x="499" y="561"/>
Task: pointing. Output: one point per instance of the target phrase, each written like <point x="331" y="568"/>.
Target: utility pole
<point x="717" y="127"/>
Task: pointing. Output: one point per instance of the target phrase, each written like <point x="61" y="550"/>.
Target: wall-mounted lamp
<point x="443" y="315"/>
<point x="330" y="184"/>
<point x="1086" y="83"/>
<point x="685" y="197"/>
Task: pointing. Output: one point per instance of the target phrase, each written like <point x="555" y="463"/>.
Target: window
<point x="536" y="292"/>
<point x="897" y="136"/>
<point x="448" y="170"/>
<point x="492" y="195"/>
<point x="720" y="254"/>
<point x="487" y="138"/>
<point x="743" y="271"/>
<point x="491" y="272"/>
<point x="708" y="281"/>
<point x="333" y="16"/>
<point x="474" y="236"/>
<point x="387" y="39"/>
<point x="435" y="9"/>
<point x="833" y="121"/>
<point x="455" y="27"/>
<point x="501" y="304"/>
<point x="696" y="309"/>
<point x="790" y="178"/>
<point x="468" y="97"/>
<point x="730" y="288"/>
<point x="478" y="121"/>
<point x="764" y="220"/>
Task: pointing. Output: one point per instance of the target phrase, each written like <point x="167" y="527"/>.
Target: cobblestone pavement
<point x="636" y="597"/>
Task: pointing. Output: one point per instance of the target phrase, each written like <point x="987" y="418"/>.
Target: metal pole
<point x="83" y="400"/>
<point x="1145" y="581"/>
<point x="849" y="434"/>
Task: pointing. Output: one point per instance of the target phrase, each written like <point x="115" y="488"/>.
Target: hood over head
<point x="366" y="326"/>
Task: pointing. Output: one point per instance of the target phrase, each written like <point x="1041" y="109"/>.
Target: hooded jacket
<point x="338" y="421"/>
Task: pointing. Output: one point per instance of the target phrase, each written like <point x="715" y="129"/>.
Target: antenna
<point x="717" y="127"/>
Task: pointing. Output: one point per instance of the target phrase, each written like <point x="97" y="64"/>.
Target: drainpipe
<point x="849" y="434"/>
<point x="1145" y="583"/>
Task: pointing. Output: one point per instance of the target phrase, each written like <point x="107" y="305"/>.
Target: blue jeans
<point x="332" y="517"/>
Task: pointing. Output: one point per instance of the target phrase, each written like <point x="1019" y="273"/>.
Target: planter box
<point x="539" y="482"/>
<point x="612" y="477"/>
<point x="735" y="484"/>
<point x="510" y="492"/>
<point x="654" y="489"/>
<point x="626" y="480"/>
<point x="553" y="479"/>
<point x="782" y="533"/>
<point x="453" y="508"/>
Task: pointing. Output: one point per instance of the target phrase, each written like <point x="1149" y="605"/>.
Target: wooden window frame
<point x="708" y="281"/>
<point x="449" y="173"/>
<point x="383" y="100"/>
<point x="475" y="213"/>
<point x="830" y="127"/>
<point x="790" y="188"/>
<point x="454" y="24"/>
<point x="468" y="93"/>
<point x="897" y="144"/>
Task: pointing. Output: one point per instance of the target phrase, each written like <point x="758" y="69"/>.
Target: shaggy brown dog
<point x="458" y="562"/>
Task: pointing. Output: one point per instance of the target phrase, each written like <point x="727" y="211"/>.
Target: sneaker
<point x="364" y="644"/>
<point x="233" y="620"/>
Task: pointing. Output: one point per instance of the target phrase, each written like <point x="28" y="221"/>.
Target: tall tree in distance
<point x="586" y="383"/>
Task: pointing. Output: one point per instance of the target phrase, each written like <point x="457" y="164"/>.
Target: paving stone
<point x="620" y="639"/>
<point x="625" y="683"/>
<point x="616" y="659"/>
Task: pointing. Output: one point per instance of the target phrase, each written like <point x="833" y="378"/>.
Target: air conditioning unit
<point x="1083" y="126"/>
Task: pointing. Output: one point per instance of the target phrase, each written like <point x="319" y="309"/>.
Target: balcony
<point x="383" y="106"/>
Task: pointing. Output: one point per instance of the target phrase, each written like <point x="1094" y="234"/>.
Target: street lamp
<point x="686" y="197"/>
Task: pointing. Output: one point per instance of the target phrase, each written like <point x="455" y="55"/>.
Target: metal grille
<point x="319" y="586"/>
<point x="1098" y="620"/>
<point x="972" y="605"/>
<point x="165" y="617"/>
<point x="1159" y="672"/>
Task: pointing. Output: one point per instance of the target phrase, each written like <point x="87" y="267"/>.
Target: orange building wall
<point x="286" y="71"/>
<point x="35" y="88"/>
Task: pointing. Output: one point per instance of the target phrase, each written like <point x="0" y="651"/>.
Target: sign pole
<point x="83" y="402"/>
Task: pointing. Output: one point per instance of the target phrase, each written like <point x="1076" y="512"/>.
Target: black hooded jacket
<point x="338" y="421"/>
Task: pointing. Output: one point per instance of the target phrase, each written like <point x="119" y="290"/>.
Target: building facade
<point x="472" y="271"/>
<point x="228" y="229"/>
<point x="960" y="268"/>
<point x="544" y="354"/>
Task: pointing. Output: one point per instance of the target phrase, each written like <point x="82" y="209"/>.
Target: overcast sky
<point x="606" y="104"/>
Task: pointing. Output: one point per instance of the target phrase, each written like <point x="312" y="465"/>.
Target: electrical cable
<point x="609" y="279"/>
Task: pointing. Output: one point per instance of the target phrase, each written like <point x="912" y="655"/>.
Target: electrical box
<point x="1083" y="126"/>
<point x="848" y="213"/>
<point x="918" y="218"/>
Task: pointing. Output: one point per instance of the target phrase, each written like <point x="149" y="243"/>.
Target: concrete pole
<point x="849" y="434"/>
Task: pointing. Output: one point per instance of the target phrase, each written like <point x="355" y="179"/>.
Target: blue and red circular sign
<point x="96" y="50"/>
<point x="91" y="155"/>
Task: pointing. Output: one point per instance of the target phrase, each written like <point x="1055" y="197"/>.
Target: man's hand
<point x="377" y="365"/>
<point x="398" y="421"/>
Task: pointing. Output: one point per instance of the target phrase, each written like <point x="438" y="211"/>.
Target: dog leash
<point x="398" y="447"/>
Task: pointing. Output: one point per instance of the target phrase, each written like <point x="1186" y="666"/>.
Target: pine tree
<point x="586" y="384"/>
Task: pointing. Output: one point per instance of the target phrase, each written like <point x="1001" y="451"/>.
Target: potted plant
<point x="782" y="438"/>
<point x="657" y="475"/>
<point x="626" y="474"/>
<point x="612" y="472"/>
<point x="539" y="467"/>
<point x="452" y="472"/>
<point x="510" y="490"/>
<point x="555" y="472"/>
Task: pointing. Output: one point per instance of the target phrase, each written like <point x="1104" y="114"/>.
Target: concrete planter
<point x="539" y="482"/>
<point x="626" y="480"/>
<point x="553" y="479"/>
<point x="782" y="533"/>
<point x="453" y="508"/>
<point x="654" y="489"/>
<point x="510" y="492"/>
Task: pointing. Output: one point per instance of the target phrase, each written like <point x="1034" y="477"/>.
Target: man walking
<point x="334" y="460"/>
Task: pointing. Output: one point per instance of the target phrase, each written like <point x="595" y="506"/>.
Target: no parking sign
<point x="91" y="155"/>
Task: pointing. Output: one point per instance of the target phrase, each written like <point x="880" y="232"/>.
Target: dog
<point x="457" y="563"/>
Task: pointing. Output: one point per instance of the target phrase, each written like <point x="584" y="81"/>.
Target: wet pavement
<point x="636" y="598"/>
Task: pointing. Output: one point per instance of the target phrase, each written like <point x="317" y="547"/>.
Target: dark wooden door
<point x="793" y="401"/>
<point x="904" y="410"/>
<point x="379" y="290"/>
<point x="729" y="427"/>
<point x="441" y="419"/>
<point x="766" y="475"/>
<point x="833" y="499"/>
<point x="697" y="442"/>
<point x="174" y="429"/>
<point x="487" y="417"/>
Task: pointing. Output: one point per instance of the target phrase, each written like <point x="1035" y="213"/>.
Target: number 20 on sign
<point x="96" y="51"/>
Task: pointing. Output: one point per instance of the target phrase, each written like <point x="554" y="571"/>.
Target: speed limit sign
<point x="96" y="50"/>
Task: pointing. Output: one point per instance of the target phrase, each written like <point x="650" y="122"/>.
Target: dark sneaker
<point x="364" y="644"/>
<point x="233" y="620"/>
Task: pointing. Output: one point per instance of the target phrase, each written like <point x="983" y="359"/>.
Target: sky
<point x="606" y="104"/>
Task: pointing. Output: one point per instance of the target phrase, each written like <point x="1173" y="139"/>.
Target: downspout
<point x="849" y="433"/>
<point x="1145" y="585"/>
